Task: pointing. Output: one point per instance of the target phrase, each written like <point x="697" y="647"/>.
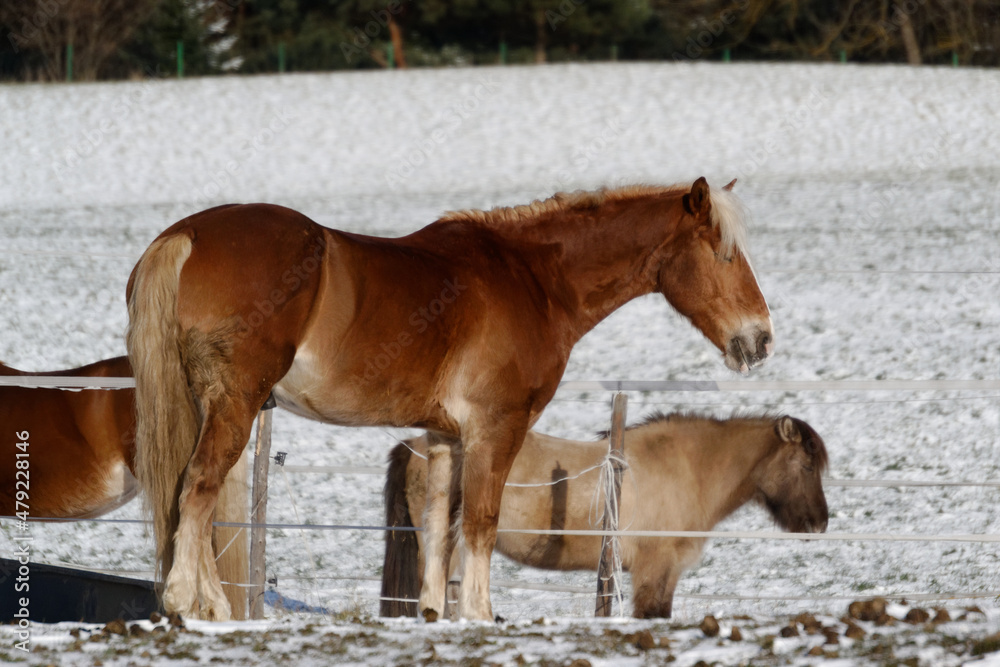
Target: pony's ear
<point x="785" y="427"/>
<point x="729" y="186"/>
<point x="697" y="201"/>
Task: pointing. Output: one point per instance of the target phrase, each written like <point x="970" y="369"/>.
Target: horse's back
<point x="79" y="444"/>
<point x="79" y="459"/>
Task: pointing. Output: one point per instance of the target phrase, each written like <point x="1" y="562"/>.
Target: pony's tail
<point x="400" y="571"/>
<point x="232" y="550"/>
<point x="167" y="421"/>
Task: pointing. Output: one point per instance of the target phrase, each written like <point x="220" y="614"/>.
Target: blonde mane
<point x="730" y="215"/>
<point x="728" y="212"/>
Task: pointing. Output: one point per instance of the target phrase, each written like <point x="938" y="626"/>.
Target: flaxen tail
<point x="232" y="545"/>
<point x="167" y="421"/>
<point x="400" y="571"/>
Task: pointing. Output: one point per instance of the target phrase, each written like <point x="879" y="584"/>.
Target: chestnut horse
<point x="81" y="447"/>
<point x="687" y="473"/>
<point x="462" y="328"/>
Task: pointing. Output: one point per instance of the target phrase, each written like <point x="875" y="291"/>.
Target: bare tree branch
<point x="95" y="29"/>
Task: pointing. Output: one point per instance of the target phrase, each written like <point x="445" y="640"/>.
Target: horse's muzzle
<point x="749" y="348"/>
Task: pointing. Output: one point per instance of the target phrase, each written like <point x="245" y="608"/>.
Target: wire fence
<point x="646" y="388"/>
<point x="588" y="592"/>
<point x="79" y="382"/>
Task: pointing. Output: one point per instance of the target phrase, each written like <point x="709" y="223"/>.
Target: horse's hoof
<point x="430" y="615"/>
<point x="217" y="615"/>
<point x="179" y="605"/>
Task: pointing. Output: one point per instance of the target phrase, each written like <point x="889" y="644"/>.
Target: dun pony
<point x="687" y="473"/>
<point x="462" y="328"/>
<point x="82" y="453"/>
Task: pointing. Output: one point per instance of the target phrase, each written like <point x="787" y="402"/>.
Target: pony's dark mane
<point x="811" y="440"/>
<point x="652" y="418"/>
<point x="659" y="416"/>
<point x="814" y="443"/>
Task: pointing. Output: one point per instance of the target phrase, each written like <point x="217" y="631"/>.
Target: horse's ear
<point x="785" y="428"/>
<point x="729" y="186"/>
<point x="697" y="201"/>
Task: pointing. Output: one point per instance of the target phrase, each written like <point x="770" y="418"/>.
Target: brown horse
<point x="463" y="328"/>
<point x="81" y="448"/>
<point x="688" y="473"/>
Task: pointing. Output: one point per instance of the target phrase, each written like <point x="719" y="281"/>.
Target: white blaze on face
<point x="751" y="341"/>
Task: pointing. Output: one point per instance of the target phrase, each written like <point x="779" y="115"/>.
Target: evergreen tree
<point x="203" y="28"/>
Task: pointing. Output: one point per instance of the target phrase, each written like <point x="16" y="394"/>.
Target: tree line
<point x="49" y="40"/>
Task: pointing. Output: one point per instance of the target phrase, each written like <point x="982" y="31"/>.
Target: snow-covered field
<point x="875" y="211"/>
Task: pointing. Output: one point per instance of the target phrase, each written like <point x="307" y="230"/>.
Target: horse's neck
<point x="727" y="462"/>
<point x="600" y="265"/>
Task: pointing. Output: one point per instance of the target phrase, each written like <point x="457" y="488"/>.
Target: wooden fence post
<point x="607" y="584"/>
<point x="258" y="533"/>
<point x="451" y="594"/>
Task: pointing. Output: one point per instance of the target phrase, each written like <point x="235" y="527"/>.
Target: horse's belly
<point x="105" y="486"/>
<point x="316" y="387"/>
<point x="120" y="488"/>
<point x="546" y="508"/>
<point x="306" y="391"/>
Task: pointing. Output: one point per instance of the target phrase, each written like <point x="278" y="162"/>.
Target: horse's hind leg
<point x="224" y="433"/>
<point x="229" y="388"/>
<point x="443" y="457"/>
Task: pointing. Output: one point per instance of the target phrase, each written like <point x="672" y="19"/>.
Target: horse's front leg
<point x="655" y="569"/>
<point x="486" y="462"/>
<point x="437" y="539"/>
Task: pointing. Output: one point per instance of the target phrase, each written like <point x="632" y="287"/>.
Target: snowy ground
<point x="319" y="640"/>
<point x="875" y="204"/>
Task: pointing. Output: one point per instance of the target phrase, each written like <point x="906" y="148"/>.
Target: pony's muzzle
<point x="818" y="519"/>
<point x="749" y="348"/>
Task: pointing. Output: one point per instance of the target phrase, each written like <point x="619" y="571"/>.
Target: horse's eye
<point x="721" y="258"/>
<point x="809" y="468"/>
